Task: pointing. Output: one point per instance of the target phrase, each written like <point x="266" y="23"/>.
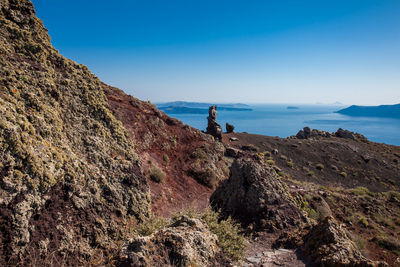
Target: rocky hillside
<point x="92" y="176"/>
<point x="70" y="179"/>
<point x="77" y="156"/>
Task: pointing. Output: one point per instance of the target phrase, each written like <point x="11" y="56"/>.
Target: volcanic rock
<point x="254" y="194"/>
<point x="213" y="128"/>
<point x="187" y="242"/>
<point x="229" y="128"/>
<point x="327" y="244"/>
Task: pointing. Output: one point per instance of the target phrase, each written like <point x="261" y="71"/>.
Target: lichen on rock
<point x="61" y="148"/>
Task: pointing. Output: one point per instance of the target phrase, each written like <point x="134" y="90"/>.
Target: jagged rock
<point x="229" y="128"/>
<point x="254" y="194"/>
<point x="275" y="151"/>
<point x="233" y="152"/>
<point x="233" y="139"/>
<point x="213" y="128"/>
<point x="308" y="133"/>
<point x="187" y="242"/>
<point x="344" y="134"/>
<point x="327" y="244"/>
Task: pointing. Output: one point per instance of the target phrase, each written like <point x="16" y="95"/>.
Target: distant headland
<point x="384" y="111"/>
<point x="182" y="107"/>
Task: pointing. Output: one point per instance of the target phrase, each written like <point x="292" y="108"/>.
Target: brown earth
<point x="171" y="146"/>
<point x="366" y="200"/>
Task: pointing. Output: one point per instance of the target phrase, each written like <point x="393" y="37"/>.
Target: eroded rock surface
<point x="187" y="242"/>
<point x="254" y="194"/>
<point x="213" y="128"/>
<point x="68" y="173"/>
<point x="327" y="244"/>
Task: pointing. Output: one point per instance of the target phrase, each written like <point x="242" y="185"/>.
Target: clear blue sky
<point x="296" y="51"/>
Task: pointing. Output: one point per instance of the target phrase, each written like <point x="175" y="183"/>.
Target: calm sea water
<point x="277" y="120"/>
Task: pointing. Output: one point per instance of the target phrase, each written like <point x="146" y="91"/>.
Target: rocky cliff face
<point x="70" y="179"/>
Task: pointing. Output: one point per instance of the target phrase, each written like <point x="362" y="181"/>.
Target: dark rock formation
<point x="254" y="194"/>
<point x="229" y="128"/>
<point x="213" y="128"/>
<point x="307" y="133"/>
<point x="327" y="244"/>
<point x="187" y="242"/>
<point x="340" y="133"/>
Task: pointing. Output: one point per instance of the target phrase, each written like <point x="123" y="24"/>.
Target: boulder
<point x="327" y="244"/>
<point x="344" y="134"/>
<point x="254" y="194"/>
<point x="187" y="242"/>
<point x="229" y="128"/>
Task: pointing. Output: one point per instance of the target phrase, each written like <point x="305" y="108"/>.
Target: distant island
<point x="292" y="107"/>
<point x="182" y="107"/>
<point x="384" y="111"/>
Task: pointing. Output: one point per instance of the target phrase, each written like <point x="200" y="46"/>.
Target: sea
<point x="279" y="120"/>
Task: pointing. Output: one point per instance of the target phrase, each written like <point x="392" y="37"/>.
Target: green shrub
<point x="363" y="221"/>
<point x="388" y="243"/>
<point x="360" y="242"/>
<point x="360" y="191"/>
<point x="310" y="173"/>
<point x="165" y="158"/>
<point x="230" y="239"/>
<point x="283" y="157"/>
<point x="267" y="154"/>
<point x="344" y="174"/>
<point x="199" y="154"/>
<point x="151" y="225"/>
<point x="270" y="162"/>
<point x="319" y="166"/>
<point x="156" y="174"/>
<point x="290" y="164"/>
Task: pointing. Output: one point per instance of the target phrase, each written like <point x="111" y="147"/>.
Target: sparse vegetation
<point x="310" y="173"/>
<point x="156" y="174"/>
<point x="229" y="233"/>
<point x="270" y="162"/>
<point x="151" y="225"/>
<point x="319" y="166"/>
<point x="290" y="164"/>
<point x="165" y="158"/>
<point x="388" y="243"/>
<point x="344" y="174"/>
<point x="360" y="191"/>
<point x="283" y="157"/>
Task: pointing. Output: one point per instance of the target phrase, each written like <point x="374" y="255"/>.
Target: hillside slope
<point x="70" y="179"/>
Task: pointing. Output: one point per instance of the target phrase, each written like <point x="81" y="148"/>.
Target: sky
<point x="299" y="51"/>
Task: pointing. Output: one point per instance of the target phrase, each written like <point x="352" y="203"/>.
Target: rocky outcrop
<point x="340" y="133"/>
<point x="187" y="242"/>
<point x="69" y="175"/>
<point x="308" y="133"/>
<point x="327" y="244"/>
<point x="213" y="128"/>
<point x="254" y="194"/>
<point x="229" y="128"/>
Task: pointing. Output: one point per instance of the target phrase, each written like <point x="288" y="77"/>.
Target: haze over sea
<point x="278" y="120"/>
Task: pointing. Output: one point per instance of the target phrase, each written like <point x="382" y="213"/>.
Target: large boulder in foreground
<point x="255" y="194"/>
<point x="327" y="244"/>
<point x="187" y="242"/>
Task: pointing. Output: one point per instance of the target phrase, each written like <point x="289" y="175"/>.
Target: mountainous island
<point x="91" y="176"/>
<point x="182" y="107"/>
<point x="384" y="111"/>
